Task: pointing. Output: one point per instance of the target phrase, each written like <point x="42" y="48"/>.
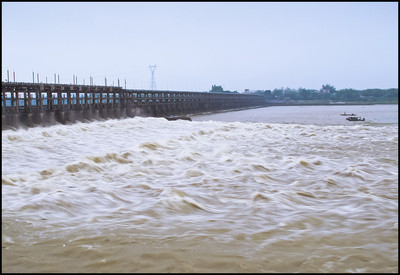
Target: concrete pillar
<point x="78" y="115"/>
<point x="103" y="113"/>
<point x="49" y="118"/>
<point x="27" y="119"/>
<point x="3" y="121"/>
<point x="12" y="120"/>
<point x="70" y="116"/>
<point x="95" y="114"/>
<point x="87" y="114"/>
<point x="169" y="109"/>
<point x="122" y="112"/>
<point x="60" y="117"/>
<point x="38" y="118"/>
<point x="110" y="111"/>
<point x="117" y="113"/>
<point x="150" y="110"/>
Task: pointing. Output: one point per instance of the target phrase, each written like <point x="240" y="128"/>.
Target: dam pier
<point x="33" y="104"/>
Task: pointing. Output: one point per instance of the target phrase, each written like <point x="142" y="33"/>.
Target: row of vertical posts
<point x="74" y="79"/>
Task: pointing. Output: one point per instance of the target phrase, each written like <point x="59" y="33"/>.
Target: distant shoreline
<point x="293" y="104"/>
<point x="328" y="103"/>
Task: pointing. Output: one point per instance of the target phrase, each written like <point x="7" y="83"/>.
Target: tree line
<point x="327" y="92"/>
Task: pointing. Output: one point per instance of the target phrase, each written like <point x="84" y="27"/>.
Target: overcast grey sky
<point x="238" y="45"/>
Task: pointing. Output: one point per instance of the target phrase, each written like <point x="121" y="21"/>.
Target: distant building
<point x="246" y="91"/>
<point x="325" y="91"/>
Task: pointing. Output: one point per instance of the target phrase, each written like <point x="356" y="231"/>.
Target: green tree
<point x="348" y="95"/>
<point x="305" y="94"/>
<point x="268" y="94"/>
<point x="216" y="89"/>
<point x="277" y="94"/>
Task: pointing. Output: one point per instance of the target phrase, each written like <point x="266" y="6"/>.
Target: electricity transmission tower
<point x="153" y="81"/>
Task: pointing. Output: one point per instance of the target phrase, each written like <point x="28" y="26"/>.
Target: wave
<point x="260" y="187"/>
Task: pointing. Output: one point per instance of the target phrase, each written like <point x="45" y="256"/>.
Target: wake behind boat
<point x="344" y="114"/>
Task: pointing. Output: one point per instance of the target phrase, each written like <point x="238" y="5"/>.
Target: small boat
<point x="344" y="114"/>
<point x="178" y="117"/>
<point x="355" y="118"/>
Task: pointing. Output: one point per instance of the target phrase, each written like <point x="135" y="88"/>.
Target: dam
<point x="33" y="104"/>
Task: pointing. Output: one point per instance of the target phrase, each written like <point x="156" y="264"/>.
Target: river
<point x="275" y="189"/>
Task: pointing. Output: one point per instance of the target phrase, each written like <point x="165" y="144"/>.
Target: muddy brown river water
<point x="276" y="189"/>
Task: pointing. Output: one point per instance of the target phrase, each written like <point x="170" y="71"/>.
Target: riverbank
<point x="326" y="102"/>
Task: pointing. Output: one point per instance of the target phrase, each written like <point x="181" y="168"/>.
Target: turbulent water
<point x="151" y="195"/>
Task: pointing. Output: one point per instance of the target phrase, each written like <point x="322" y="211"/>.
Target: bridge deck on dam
<point x="33" y="104"/>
